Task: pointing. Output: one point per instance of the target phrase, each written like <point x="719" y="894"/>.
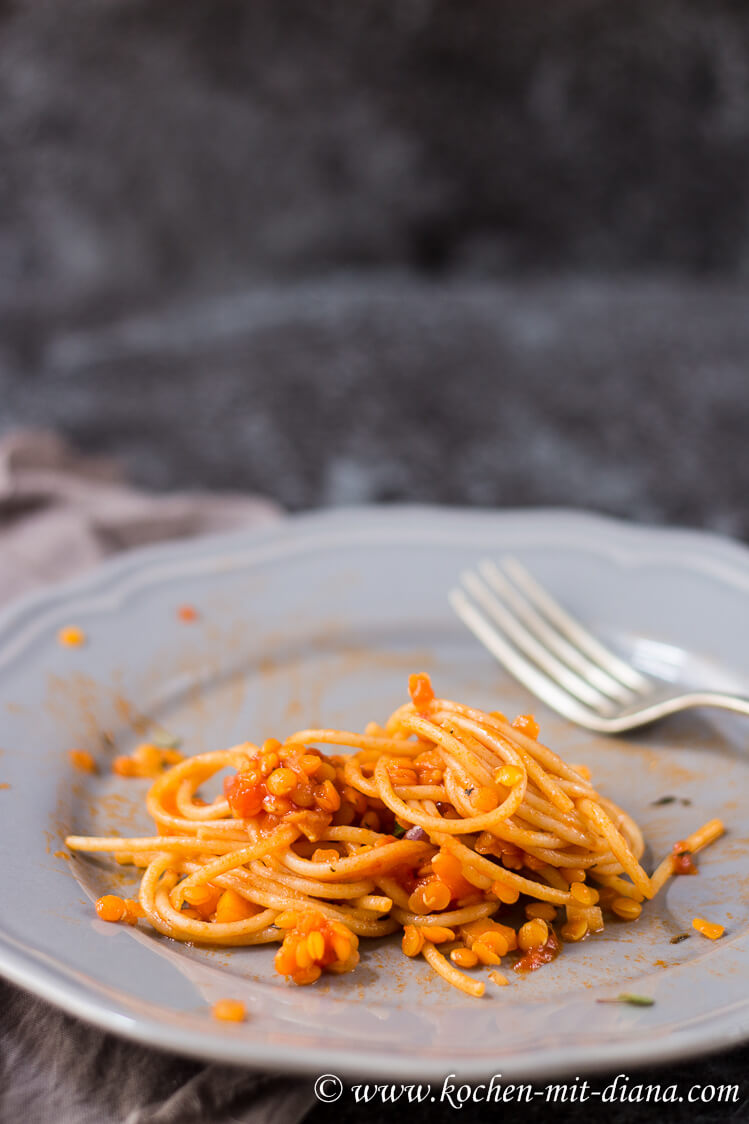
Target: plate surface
<point x="319" y="621"/>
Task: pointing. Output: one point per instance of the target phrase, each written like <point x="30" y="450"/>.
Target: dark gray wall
<point x="148" y="144"/>
<point x="475" y="252"/>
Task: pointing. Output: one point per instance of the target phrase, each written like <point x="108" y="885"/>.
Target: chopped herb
<point x="686" y="801"/>
<point x="663" y="800"/>
<point x="399" y="831"/>
<point x="679" y="938"/>
<point x="469" y="790"/>
<point x="332" y="869"/>
<point x="633" y="1000"/>
<point x="163" y="739"/>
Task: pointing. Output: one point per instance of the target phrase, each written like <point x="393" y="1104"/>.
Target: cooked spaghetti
<point x="440" y="822"/>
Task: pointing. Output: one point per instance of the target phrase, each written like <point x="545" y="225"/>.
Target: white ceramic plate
<point x="320" y="621"/>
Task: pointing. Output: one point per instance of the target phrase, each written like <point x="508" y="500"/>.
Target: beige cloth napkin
<point x="60" y="513"/>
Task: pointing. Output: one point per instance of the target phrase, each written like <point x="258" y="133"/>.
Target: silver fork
<point x="551" y="653"/>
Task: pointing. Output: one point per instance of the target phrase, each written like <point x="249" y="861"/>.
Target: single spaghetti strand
<point x="695" y="842"/>
<point x="453" y="975"/>
<point x="157" y="843"/>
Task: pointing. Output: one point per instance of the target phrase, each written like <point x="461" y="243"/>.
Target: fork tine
<point x="523" y="670"/>
<point x="551" y="639"/>
<point x="529" y="645"/>
<point x="572" y="630"/>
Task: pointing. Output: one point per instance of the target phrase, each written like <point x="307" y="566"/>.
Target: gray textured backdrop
<point x="165" y="144"/>
<point x="629" y="397"/>
<point x="466" y="252"/>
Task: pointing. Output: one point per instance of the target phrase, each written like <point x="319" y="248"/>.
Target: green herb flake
<point x="663" y="800"/>
<point x="633" y="1000"/>
<point x="399" y="831"/>
<point x="679" y="938"/>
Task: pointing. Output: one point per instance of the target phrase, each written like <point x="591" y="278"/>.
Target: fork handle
<point x="739" y="704"/>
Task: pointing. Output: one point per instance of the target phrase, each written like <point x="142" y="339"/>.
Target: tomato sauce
<point x="681" y="861"/>
<point x="542" y="954"/>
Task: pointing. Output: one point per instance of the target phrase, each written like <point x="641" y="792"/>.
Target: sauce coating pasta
<point x="438" y="824"/>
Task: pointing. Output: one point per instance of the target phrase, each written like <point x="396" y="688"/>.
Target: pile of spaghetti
<point x="439" y="822"/>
